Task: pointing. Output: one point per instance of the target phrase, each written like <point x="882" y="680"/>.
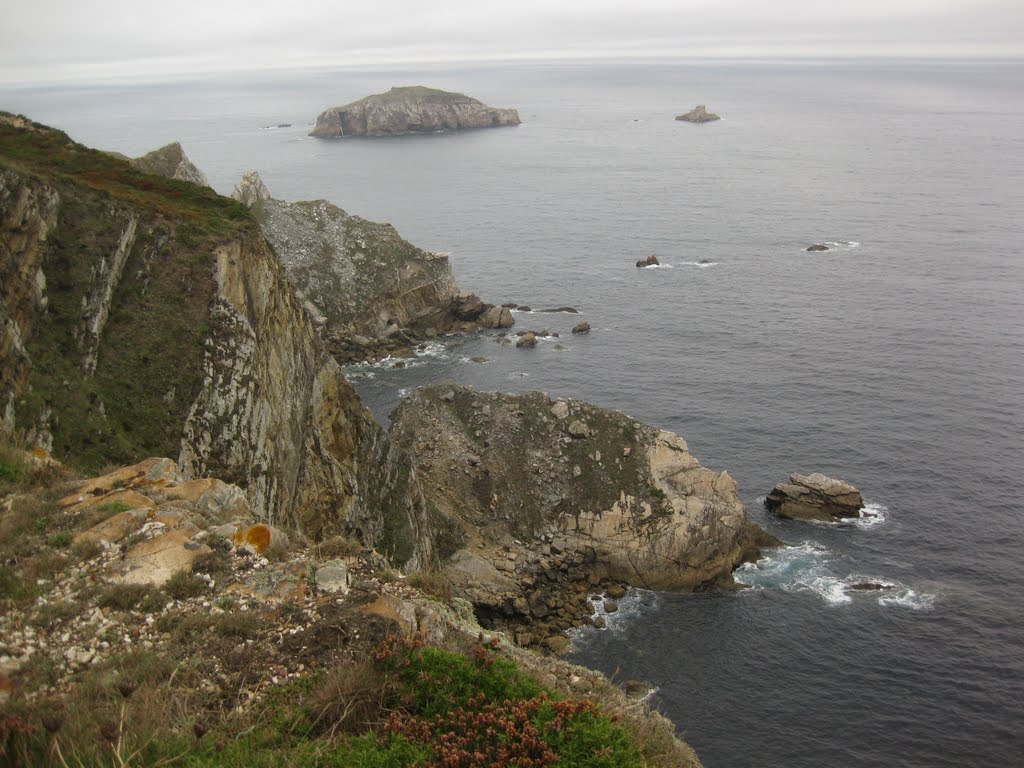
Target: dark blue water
<point x="895" y="361"/>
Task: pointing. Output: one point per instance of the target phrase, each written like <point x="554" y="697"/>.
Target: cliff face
<point x="411" y="109"/>
<point x="149" y="316"/>
<point x="368" y="290"/>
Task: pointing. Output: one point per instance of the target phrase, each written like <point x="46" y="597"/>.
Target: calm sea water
<point x="895" y="361"/>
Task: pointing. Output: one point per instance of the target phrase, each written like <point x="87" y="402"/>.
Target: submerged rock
<point x="817" y="247"/>
<point x="815" y="497"/>
<point x="698" y="114"/>
<point x="410" y="109"/>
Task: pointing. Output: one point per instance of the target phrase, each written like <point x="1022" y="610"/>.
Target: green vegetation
<point x="50" y="154"/>
<point x="128" y="597"/>
<point x="148" y="360"/>
<point x="408" y="706"/>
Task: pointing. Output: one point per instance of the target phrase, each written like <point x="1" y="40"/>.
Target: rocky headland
<point x="534" y="504"/>
<point x="369" y="292"/>
<point x="410" y="109"/>
<point x="698" y="114"/>
<point x="145" y="316"/>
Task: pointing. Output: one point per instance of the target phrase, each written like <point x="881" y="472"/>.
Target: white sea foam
<point x="698" y="264"/>
<point x="634" y="603"/>
<point x="658" y="266"/>
<point x="908" y="598"/>
<point x="431" y="349"/>
<point x="842" y="244"/>
<point x="519" y="375"/>
<point x="810" y="567"/>
<point x="871" y="515"/>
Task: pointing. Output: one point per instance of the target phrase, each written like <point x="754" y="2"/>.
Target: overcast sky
<point x="57" y="40"/>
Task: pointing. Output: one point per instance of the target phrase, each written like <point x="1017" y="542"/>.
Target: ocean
<point x="895" y="360"/>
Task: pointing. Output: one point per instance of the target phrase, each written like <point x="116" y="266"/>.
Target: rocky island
<point x="410" y="109"/>
<point x="698" y="114"/>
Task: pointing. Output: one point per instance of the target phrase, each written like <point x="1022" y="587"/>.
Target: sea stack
<point x="815" y="497"/>
<point x="698" y="114"/>
<point x="410" y="109"/>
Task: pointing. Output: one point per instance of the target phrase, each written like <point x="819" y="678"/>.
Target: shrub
<point x="127" y="597"/>
<point x="183" y="585"/>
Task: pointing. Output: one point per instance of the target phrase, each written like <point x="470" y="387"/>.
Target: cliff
<point x="533" y="502"/>
<point x="369" y="292"/>
<point x="145" y="316"/>
<point x="410" y="109"/>
<point x="146" y="619"/>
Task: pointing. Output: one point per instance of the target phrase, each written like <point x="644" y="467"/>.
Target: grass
<point x="183" y="585"/>
<point x="130" y="597"/>
<point x="406" y="706"/>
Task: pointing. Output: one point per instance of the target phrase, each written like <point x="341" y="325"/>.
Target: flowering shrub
<point x="482" y="712"/>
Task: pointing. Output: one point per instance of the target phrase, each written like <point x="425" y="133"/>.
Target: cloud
<point x="60" y="39"/>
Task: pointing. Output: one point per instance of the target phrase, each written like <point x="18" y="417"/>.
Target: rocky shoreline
<point x="146" y="317"/>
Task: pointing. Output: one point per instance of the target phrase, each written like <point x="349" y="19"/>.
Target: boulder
<point x="156" y="560"/>
<point x="816" y="247"/>
<point x="579" y="430"/>
<point x="650" y="261"/>
<point x="333" y="577"/>
<point x="583" y="327"/>
<point x="527" y="341"/>
<point x="563" y="310"/>
<point x="260" y="539"/>
<point x="815" y="497"/>
<point x="698" y="114"/>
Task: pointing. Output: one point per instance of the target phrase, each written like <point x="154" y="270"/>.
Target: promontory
<point x="410" y="109"/>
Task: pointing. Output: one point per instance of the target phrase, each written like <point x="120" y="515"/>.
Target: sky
<point x="77" y="40"/>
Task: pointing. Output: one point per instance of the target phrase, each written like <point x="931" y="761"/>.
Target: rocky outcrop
<point x="142" y="317"/>
<point x="816" y="248"/>
<point x="410" y="109"/>
<point x="515" y="482"/>
<point x="650" y="261"/>
<point x="368" y="291"/>
<point x="172" y="162"/>
<point x="815" y="497"/>
<point x="698" y="114"/>
<point x="583" y="327"/>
